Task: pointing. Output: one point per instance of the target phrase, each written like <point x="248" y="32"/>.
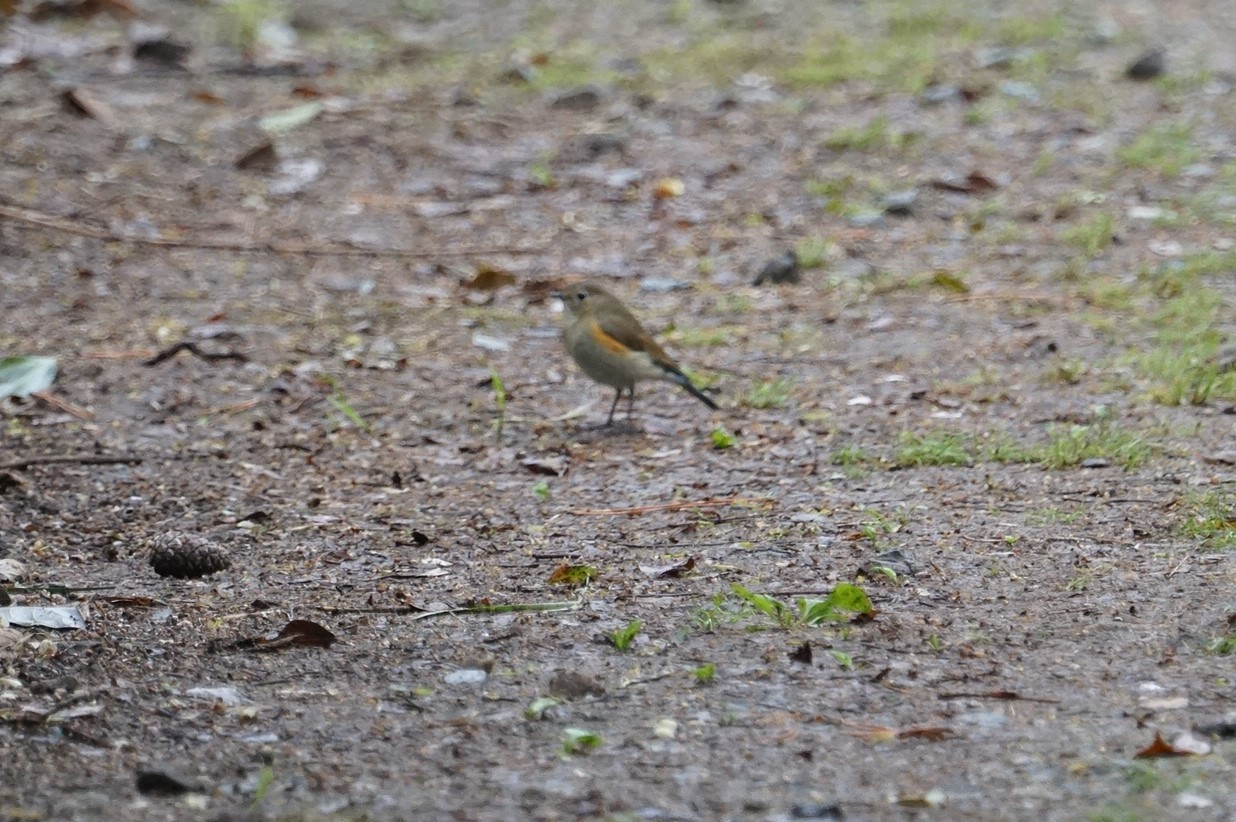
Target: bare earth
<point x="966" y="407"/>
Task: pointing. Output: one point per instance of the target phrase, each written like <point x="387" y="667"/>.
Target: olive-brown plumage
<point x="611" y="346"/>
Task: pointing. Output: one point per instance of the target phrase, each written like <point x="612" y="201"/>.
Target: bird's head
<point x="581" y="298"/>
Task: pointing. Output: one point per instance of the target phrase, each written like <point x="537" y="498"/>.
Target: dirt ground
<point x="1001" y="401"/>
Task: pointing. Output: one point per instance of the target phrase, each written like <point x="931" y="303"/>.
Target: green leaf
<point x="495" y="382"/>
<point x="723" y="439"/>
<point x="574" y="575"/>
<point x="623" y="637"/>
<point x="705" y="673"/>
<point x="845" y="596"/>
<point x="815" y="611"/>
<point x="769" y="606"/>
<point x="290" y="118"/>
<point x="849" y="597"/>
<point x="340" y="401"/>
<point x="950" y="282"/>
<point x="266" y="778"/>
<point x="579" y="741"/>
<point x="539" y="706"/>
<point x="23" y="376"/>
<point x="344" y="407"/>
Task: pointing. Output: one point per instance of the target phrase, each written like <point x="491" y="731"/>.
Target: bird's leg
<point x="617" y="397"/>
<point x="631" y="402"/>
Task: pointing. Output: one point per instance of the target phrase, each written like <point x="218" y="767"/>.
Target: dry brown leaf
<point x="308" y="91"/>
<point x="52" y="9"/>
<point x="932" y="733"/>
<point x="567" y="574"/>
<point x="1160" y="747"/>
<point x="305" y="632"/>
<point x="209" y="97"/>
<point x="86" y="103"/>
<point x="976" y="182"/>
<point x="549" y="467"/>
<point x="490" y="278"/>
<point x="262" y="157"/>
<point x="677" y="569"/>
<point x="668" y="187"/>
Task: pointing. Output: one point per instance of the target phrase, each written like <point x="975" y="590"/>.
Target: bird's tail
<point x="681" y="378"/>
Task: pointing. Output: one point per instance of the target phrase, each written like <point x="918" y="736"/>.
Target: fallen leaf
<point x="950" y="282"/>
<point x="48" y="616"/>
<point x="304" y="632"/>
<point x="1160" y="747"/>
<point x="296" y="632"/>
<point x="550" y="467"/>
<point x="129" y="602"/>
<point x="567" y="574"/>
<point x="308" y="92"/>
<point x="86" y="103"/>
<point x="11" y="570"/>
<point x="162" y="52"/>
<point x="676" y="569"/>
<point x="262" y="157"/>
<point x="668" y="187"/>
<point x="973" y="183"/>
<point x="203" y="96"/>
<point x="490" y="278"/>
<point x="801" y="654"/>
<point x="932" y="733"/>
<point x="280" y="121"/>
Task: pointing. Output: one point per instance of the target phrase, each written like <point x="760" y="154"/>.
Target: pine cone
<point x="186" y="556"/>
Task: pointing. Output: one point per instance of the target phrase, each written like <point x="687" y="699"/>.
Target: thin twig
<point x="192" y="348"/>
<point x="31" y="217"/>
<point x="1011" y="296"/>
<point x="102" y="459"/>
<point x="64" y="405"/>
<point x="414" y="612"/>
<point x="677" y="505"/>
<point x="71" y="459"/>
<point x="1006" y="695"/>
<point x="134" y="354"/>
<point x="233" y="408"/>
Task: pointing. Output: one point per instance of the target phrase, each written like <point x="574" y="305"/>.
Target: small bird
<point x="611" y="347"/>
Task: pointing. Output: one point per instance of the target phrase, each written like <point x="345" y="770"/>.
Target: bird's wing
<point x="622" y="329"/>
<point x="609" y="341"/>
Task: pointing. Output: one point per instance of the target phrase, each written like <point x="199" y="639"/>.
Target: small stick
<point x="32" y="217"/>
<point x="135" y="354"/>
<point x="71" y="459"/>
<point x="678" y="505"/>
<point x="1009" y="695"/>
<point x="64" y="405"/>
<point x="192" y="348"/>
<point x="234" y="408"/>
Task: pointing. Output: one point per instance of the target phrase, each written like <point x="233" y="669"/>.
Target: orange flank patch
<point x="606" y="341"/>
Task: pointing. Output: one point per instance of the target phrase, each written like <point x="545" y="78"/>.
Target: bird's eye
<point x="581" y="295"/>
